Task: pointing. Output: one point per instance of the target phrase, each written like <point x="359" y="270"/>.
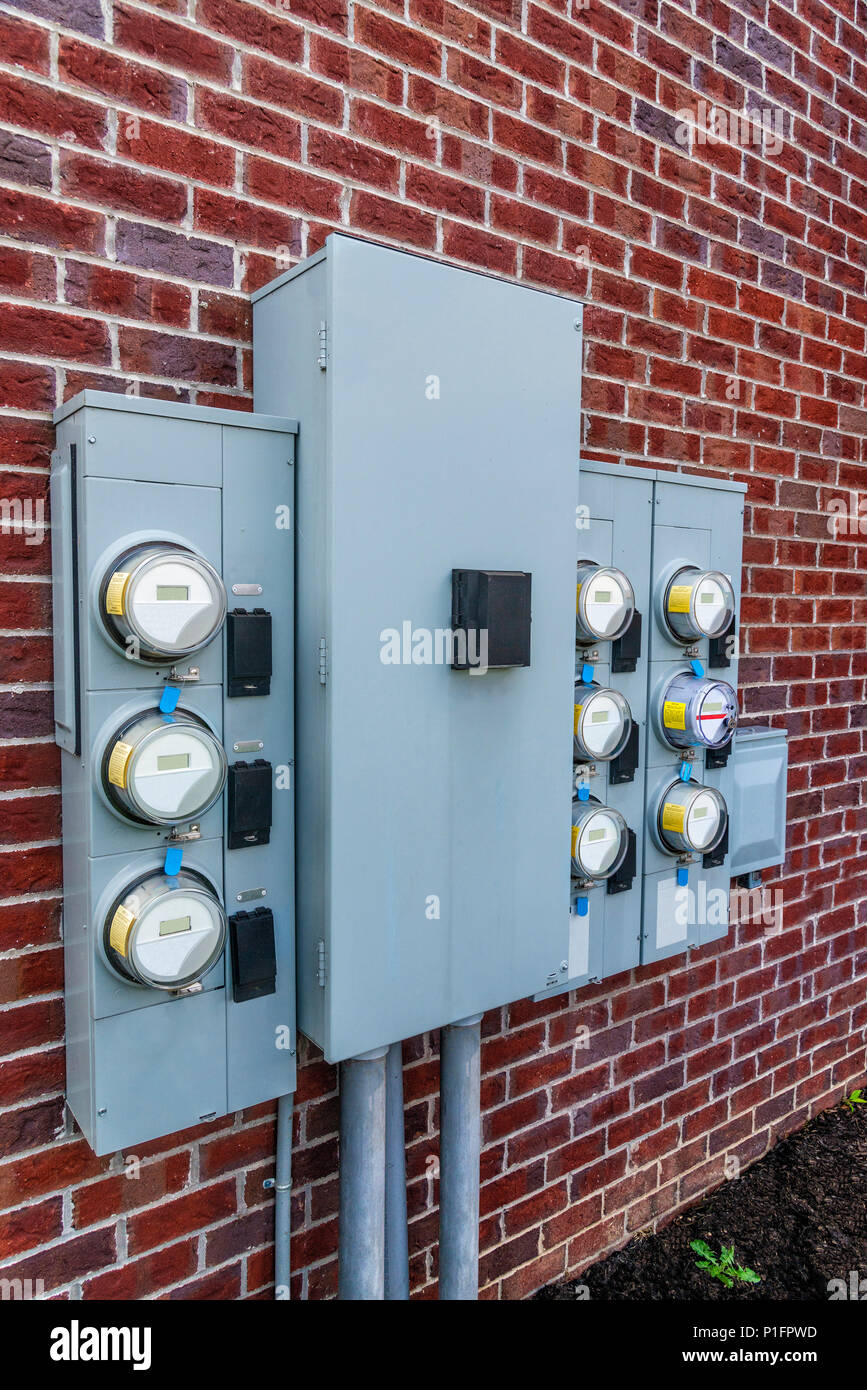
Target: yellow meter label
<point x="115" y="592"/>
<point x="575" y="832"/>
<point x="578" y="599"/>
<point x="117" y="763"/>
<point x="121" y="926"/>
<point x="673" y="816"/>
<point x="674" y="714"/>
<point x="678" y="598"/>
<point x="578" y="709"/>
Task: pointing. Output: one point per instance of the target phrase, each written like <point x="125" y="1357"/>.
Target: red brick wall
<point x="162" y="160"/>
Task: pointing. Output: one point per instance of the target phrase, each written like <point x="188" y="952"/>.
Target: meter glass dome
<point x="162" y="602"/>
<point x="699" y="603"/>
<point x="165" y="933"/>
<point x="605" y="603"/>
<point x="698" y="710"/>
<point x="602" y="723"/>
<point x="599" y="840"/>
<point x="163" y="768"/>
<point x="691" y="818"/>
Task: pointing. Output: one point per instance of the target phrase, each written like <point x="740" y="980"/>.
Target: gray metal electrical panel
<point x="614" y="534"/>
<point x="436" y="500"/>
<point x="172" y="547"/>
<point x="695" y="585"/>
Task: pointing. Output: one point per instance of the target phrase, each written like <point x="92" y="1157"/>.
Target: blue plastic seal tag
<point x="169" y="698"/>
<point x="584" y="792"/>
<point x="682" y="877"/>
<point x="697" y="668"/>
<point x="587" y="673"/>
<point x="172" y="866"/>
<point x="685" y="772"/>
<point x="582" y="906"/>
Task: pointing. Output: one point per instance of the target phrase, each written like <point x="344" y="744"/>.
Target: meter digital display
<point x="602" y="723"/>
<point x="165" y="933"/>
<point x="161" y="602"/>
<point x="600" y="839"/>
<point x="698" y="710"/>
<point x="605" y="603"/>
<point x="163" y="768"/>
<point x="699" y="603"/>
<point x="691" y="818"/>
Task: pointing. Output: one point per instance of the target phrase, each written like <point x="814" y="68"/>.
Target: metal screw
<point x="91" y="439"/>
<point x="564" y="965"/>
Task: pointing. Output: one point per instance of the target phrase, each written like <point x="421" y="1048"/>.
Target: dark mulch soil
<point x="798" y="1217"/>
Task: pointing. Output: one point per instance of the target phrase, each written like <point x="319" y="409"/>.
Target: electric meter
<point x="163" y="768"/>
<point x="602" y="723"/>
<point x="699" y="603"/>
<point x="696" y="709"/>
<point x="605" y="603"/>
<point x="691" y="818"/>
<point x="600" y="839"/>
<point x="160" y="602"/>
<point x="164" y="932"/>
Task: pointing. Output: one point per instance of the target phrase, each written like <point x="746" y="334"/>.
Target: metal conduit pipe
<point x="396" y="1240"/>
<point x="283" y="1198"/>
<point x="361" y="1272"/>
<point x="460" y="1153"/>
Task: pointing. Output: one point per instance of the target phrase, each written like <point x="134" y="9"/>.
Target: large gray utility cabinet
<point x="172" y="581"/>
<point x="437" y="476"/>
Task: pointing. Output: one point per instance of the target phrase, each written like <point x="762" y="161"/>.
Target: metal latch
<point x="183" y="837"/>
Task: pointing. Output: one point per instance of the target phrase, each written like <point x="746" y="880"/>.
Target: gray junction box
<point x="145" y="1060"/>
<point x="439" y="432"/>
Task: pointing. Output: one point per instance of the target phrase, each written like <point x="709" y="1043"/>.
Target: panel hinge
<point x="323" y="661"/>
<point x="320" y="964"/>
<point x="322" y="359"/>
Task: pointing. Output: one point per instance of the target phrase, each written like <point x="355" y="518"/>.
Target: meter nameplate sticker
<point x="118" y="762"/>
<point x="575" y="832"/>
<point x="578" y="709"/>
<point x="673" y="816"/>
<point x="114" y="594"/>
<point x="678" y="598"/>
<point x="578" y="599"/>
<point x="674" y="714"/>
<point x="121" y="926"/>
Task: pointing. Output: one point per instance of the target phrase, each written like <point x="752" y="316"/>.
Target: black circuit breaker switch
<point x="248" y="652"/>
<point x="721" y="648"/>
<point x="718" y="757"/>
<point x="249" y="804"/>
<point x="490" y="618"/>
<point x="621" y="880"/>
<point x="254" y="955"/>
<point x="626" y="650"/>
<point x="623" y="767"/>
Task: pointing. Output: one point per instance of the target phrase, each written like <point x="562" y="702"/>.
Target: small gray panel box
<point x="440" y="417"/>
<point x="759" y="767"/>
<point x="162" y="517"/>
